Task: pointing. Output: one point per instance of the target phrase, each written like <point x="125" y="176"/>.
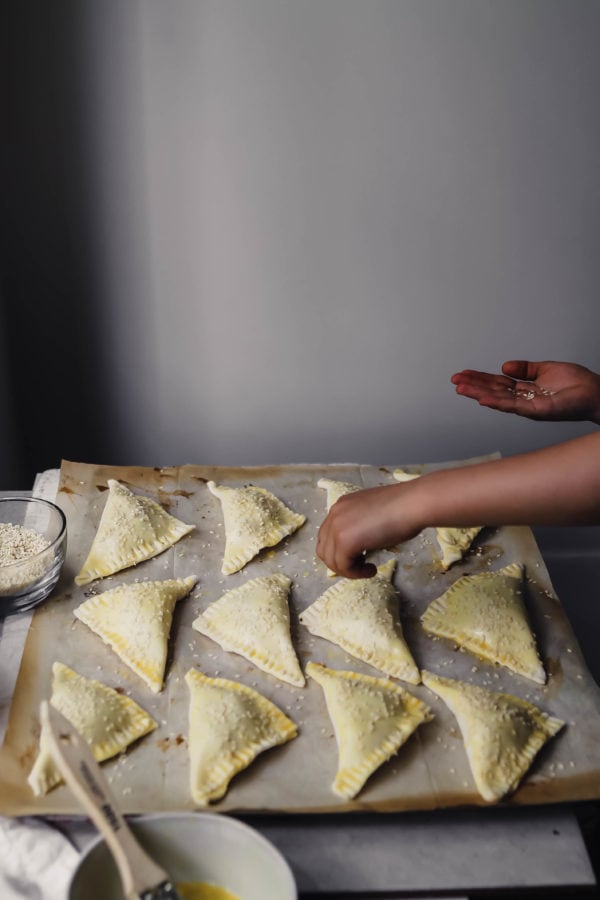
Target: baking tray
<point x="430" y="771"/>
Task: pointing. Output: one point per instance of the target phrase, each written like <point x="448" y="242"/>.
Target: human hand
<point x="538" y="390"/>
<point x="371" y="519"/>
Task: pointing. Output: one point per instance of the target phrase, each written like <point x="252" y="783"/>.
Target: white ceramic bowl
<point x="193" y="847"/>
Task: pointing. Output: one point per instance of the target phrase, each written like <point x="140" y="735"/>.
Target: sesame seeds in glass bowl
<point x="33" y="535"/>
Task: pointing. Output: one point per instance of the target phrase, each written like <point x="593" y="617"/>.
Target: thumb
<point x="521" y="369"/>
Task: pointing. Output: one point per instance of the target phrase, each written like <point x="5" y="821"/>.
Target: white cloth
<point x="36" y="860"/>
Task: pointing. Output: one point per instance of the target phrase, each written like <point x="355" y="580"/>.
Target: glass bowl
<point x="25" y="524"/>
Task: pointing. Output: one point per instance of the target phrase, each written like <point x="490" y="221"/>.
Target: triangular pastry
<point x="132" y="528"/>
<point x="254" y="621"/>
<point x="230" y="724"/>
<point x="372" y="718"/>
<point x="403" y="475"/>
<point x="502" y="733"/>
<point x="254" y="519"/>
<point x="361" y="616"/>
<point x="453" y="542"/>
<point x="335" y="490"/>
<point x="485" y="614"/>
<point x="107" y="720"/>
<point x="135" y="620"/>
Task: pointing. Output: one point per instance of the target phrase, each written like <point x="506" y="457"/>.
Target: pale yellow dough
<point x="107" y="720"/>
<point x="229" y="725"/>
<point x="403" y="475"/>
<point x="361" y="616"/>
<point x="372" y="718"/>
<point x="502" y="733"/>
<point x="132" y="528"/>
<point x="135" y="620"/>
<point x="254" y="519"/>
<point x="336" y="489"/>
<point x="485" y="614"/>
<point x="254" y="621"/>
<point x="453" y="542"/>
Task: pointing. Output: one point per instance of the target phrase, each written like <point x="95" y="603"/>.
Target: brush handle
<point x="81" y="772"/>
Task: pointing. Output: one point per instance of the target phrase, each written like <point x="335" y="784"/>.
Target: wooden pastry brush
<point x="140" y="875"/>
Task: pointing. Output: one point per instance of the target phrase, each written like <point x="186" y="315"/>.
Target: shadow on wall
<point x="52" y="366"/>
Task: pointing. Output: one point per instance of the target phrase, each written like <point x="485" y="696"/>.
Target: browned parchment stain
<point x="28" y="756"/>
<point x="555" y="676"/>
<point x="165" y="744"/>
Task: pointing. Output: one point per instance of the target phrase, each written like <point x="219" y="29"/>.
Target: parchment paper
<point x="430" y="771"/>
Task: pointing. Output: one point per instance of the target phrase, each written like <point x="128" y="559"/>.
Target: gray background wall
<point x="257" y="231"/>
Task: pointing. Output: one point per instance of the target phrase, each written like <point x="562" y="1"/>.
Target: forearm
<point x="559" y="485"/>
<point x="556" y="485"/>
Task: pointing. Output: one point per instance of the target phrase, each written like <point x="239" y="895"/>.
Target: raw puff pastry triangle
<point x="502" y="734"/>
<point x="254" y="621"/>
<point x="131" y="529"/>
<point x="254" y="519"/>
<point x="230" y="724"/>
<point x="453" y="542"/>
<point x="372" y="718"/>
<point x="135" y="620"/>
<point x="485" y="614"/>
<point x="361" y="616"/>
<point x="336" y="489"/>
<point x="109" y="722"/>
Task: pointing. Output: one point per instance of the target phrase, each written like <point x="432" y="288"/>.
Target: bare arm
<point x="559" y="485"/>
